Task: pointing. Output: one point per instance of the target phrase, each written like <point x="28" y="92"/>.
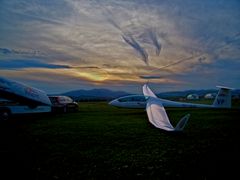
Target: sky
<point x="63" y="45"/>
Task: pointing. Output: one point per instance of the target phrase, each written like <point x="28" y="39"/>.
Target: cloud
<point x="137" y="47"/>
<point x="5" y="51"/>
<point x="156" y="43"/>
<point x="22" y="63"/>
<point x="8" y="51"/>
<point x="110" y="18"/>
<point x="150" y="76"/>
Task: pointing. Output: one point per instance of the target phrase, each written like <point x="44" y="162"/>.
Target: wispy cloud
<point x="155" y="41"/>
<point x="110" y="18"/>
<point x="29" y="52"/>
<point x="137" y="47"/>
<point x="30" y="63"/>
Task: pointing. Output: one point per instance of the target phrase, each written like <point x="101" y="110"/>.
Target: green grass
<point x="104" y="142"/>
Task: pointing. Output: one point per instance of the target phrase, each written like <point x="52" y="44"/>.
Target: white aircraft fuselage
<point x="140" y="101"/>
<point x="222" y="100"/>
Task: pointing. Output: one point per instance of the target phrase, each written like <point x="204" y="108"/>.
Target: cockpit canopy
<point x="134" y="98"/>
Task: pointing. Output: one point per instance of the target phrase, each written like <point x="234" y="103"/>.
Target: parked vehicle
<point x="63" y="104"/>
<point x="17" y="98"/>
<point x="10" y="108"/>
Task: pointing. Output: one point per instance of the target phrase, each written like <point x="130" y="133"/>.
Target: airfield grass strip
<point x="104" y="142"/>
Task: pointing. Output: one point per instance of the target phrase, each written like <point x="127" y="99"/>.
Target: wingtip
<point x="182" y="123"/>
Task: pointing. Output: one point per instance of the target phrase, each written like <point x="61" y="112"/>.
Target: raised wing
<point x="148" y="92"/>
<point x="157" y="114"/>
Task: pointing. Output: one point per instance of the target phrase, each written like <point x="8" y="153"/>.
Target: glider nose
<point x="113" y="102"/>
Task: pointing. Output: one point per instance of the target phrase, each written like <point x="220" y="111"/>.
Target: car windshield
<point x="53" y="100"/>
<point x="65" y="99"/>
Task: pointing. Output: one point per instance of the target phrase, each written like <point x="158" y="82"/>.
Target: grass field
<point x="104" y="142"/>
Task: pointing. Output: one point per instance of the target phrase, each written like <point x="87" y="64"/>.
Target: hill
<point x="95" y="94"/>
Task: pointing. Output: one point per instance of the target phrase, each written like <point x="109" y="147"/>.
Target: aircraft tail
<point x="182" y="123"/>
<point x="223" y="98"/>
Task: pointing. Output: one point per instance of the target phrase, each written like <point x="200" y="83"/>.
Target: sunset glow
<point x="110" y="43"/>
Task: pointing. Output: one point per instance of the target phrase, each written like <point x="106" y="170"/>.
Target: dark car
<point x="63" y="104"/>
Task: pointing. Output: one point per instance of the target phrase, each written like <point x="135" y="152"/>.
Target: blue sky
<point x="61" y="45"/>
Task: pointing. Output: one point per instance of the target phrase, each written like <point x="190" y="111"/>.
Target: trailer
<point x="9" y="108"/>
<point x="18" y="98"/>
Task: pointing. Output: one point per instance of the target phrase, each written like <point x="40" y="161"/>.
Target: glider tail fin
<point x="182" y="123"/>
<point x="223" y="98"/>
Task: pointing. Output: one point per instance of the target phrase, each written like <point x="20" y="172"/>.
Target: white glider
<point x="157" y="114"/>
<point x="155" y="106"/>
<point x="222" y="100"/>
